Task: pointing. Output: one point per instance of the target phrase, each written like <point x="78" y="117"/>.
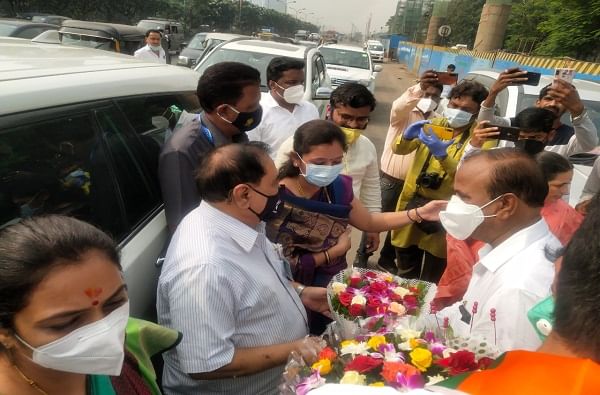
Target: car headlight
<point x="183" y="60"/>
<point x="364" y="82"/>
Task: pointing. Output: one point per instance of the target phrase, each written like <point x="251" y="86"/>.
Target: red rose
<point x="363" y="364"/>
<point x="410" y="300"/>
<point x="378" y="287"/>
<point x="373" y="301"/>
<point x="484" y="363"/>
<point x="370" y="275"/>
<point x="459" y="362"/>
<point x="327" y="353"/>
<point x="355" y="282"/>
<point x="355" y="310"/>
<point x="345" y="298"/>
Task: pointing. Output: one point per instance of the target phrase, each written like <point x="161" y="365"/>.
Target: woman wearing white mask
<point x="64" y="314"/>
<point x="318" y="205"/>
<point x="421" y="248"/>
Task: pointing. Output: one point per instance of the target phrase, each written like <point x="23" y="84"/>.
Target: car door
<point x="319" y="79"/>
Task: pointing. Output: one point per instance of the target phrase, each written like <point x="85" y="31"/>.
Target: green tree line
<point x="217" y="15"/>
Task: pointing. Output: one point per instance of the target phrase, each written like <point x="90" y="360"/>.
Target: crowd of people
<point x="260" y="198"/>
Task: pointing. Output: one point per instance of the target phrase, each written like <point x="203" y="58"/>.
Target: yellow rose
<point x="388" y="278"/>
<point x="347" y="343"/>
<point x="376" y="341"/>
<point x="421" y="358"/>
<point x="338" y="288"/>
<point x="414" y="343"/>
<point x="397" y="308"/>
<point x="323" y="366"/>
<point x="377" y="384"/>
<point x="353" y="377"/>
<point x="359" y="299"/>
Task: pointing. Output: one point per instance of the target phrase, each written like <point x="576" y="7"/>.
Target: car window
<point x="348" y="58"/>
<point x="31" y="32"/>
<point x="6" y="30"/>
<point x="197" y="42"/>
<point x="138" y="184"/>
<point x="156" y="116"/>
<point x="87" y="41"/>
<point x="174" y="29"/>
<point x="322" y="71"/>
<point x="57" y="166"/>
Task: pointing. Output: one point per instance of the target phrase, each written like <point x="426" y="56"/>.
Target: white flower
<point x="400" y="291"/>
<point x="447" y="352"/>
<point x="405" y="346"/>
<point x="359" y="299"/>
<point x="407" y="333"/>
<point x="361" y="348"/>
<point x="338" y="287"/>
<point x="435" y="379"/>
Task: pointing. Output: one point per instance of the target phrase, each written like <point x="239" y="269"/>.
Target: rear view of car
<point x="376" y="50"/>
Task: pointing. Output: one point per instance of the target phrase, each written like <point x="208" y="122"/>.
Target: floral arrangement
<point x="374" y="300"/>
<point x="405" y="359"/>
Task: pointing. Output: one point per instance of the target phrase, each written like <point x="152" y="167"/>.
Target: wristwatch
<point x="299" y="289"/>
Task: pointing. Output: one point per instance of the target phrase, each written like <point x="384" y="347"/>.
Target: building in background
<point x="412" y="18"/>
<point x="277" y="5"/>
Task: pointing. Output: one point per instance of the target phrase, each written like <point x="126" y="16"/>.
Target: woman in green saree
<point x="64" y="314"/>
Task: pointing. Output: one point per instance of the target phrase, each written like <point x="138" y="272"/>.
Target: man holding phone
<point x="558" y="97"/>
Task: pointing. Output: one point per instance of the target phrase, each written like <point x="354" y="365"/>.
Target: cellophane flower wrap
<point x="364" y="301"/>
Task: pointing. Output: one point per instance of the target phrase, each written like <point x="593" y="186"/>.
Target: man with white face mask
<point x="153" y="51"/>
<point x="498" y="198"/>
<point x="284" y="107"/>
<point x="417" y="103"/>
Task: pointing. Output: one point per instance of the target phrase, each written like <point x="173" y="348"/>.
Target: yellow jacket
<point x="411" y="235"/>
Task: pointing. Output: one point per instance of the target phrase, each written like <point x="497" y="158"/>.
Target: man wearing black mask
<point x="229" y="93"/>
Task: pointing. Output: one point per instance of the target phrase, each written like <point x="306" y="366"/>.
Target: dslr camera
<point x="429" y="180"/>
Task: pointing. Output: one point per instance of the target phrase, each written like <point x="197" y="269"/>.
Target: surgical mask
<point x="426" y="104"/>
<point x="245" y="121"/>
<point x="321" y="175"/>
<point x="457" y="118"/>
<point x="293" y="94"/>
<point x="541" y="317"/>
<point x="96" y="348"/>
<point x="155" y="47"/>
<point x="272" y="207"/>
<point x="532" y="147"/>
<point x="460" y="219"/>
<point x="351" y="134"/>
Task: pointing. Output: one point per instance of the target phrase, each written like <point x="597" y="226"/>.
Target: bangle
<point x="327" y="257"/>
<point x="408" y="215"/>
<point x="299" y="289"/>
<point x="419" y="215"/>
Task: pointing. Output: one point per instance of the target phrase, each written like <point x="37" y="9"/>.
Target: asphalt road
<point x="389" y="85"/>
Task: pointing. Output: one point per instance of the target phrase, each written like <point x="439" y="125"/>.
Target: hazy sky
<point x="340" y="14"/>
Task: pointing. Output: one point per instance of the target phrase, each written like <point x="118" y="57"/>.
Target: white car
<point x="350" y="64"/>
<point x="376" y="50"/>
<point x="516" y="98"/>
<point x="258" y="54"/>
<point x="81" y="132"/>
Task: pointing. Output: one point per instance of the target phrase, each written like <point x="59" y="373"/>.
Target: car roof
<point x="344" y="47"/>
<point x="109" y="28"/>
<point x="588" y="90"/>
<point x="224" y="36"/>
<point x="24" y="22"/>
<point x="270" y="47"/>
<point x="34" y="76"/>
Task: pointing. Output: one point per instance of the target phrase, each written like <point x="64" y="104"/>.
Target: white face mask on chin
<point x="96" y="348"/>
<point x="460" y="219"/>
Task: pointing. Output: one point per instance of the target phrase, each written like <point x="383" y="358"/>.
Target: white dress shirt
<point x="224" y="286"/>
<point x="360" y="163"/>
<point x="278" y="124"/>
<point x="510" y="278"/>
<point x="148" y="54"/>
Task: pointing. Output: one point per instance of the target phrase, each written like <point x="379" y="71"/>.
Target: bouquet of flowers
<point x="405" y="359"/>
<point x="370" y="301"/>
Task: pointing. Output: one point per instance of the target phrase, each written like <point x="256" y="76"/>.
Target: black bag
<point x="428" y="227"/>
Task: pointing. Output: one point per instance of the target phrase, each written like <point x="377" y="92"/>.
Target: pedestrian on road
<point x="229" y="93"/>
<point x="419" y="102"/>
<point x="152" y="51"/>
<point x="284" y="107"/>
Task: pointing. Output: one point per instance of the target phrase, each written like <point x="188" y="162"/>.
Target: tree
<point x="522" y="33"/>
<point x="463" y="18"/>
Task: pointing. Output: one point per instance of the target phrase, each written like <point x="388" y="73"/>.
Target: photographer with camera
<point x="421" y="248"/>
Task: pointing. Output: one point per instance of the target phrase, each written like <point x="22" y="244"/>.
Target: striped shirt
<point x="224" y="286"/>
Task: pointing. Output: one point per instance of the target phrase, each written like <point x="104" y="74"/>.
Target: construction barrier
<point x="420" y="57"/>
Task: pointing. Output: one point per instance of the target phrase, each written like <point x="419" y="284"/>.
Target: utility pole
<point x="368" y="33"/>
<point x="240" y="18"/>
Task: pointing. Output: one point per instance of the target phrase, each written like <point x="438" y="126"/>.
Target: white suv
<point x="80" y="134"/>
<point x="258" y="54"/>
<point x="346" y="63"/>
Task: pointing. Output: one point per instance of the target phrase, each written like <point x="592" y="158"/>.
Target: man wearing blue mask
<point x="421" y="247"/>
<point x="498" y="198"/>
<point x="229" y="93"/>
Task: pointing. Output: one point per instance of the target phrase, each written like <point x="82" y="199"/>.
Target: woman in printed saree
<point x="318" y="205"/>
<point x="64" y="314"/>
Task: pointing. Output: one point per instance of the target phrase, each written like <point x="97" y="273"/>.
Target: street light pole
<point x="240" y="18"/>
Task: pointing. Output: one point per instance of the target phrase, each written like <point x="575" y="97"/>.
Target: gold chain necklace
<point x="301" y="190"/>
<point x="29" y="381"/>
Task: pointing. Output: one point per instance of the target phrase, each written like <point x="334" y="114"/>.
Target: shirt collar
<point x="239" y="232"/>
<point x="218" y="136"/>
<point x="494" y="258"/>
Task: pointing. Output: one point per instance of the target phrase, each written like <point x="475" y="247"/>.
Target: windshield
<point x="151" y="25"/>
<point x="197" y="42"/>
<point x="259" y="61"/>
<point x="343" y="57"/>
<point x="592" y="107"/>
<point x="87" y="41"/>
<point x="6" y="30"/>
<point x="375" y="47"/>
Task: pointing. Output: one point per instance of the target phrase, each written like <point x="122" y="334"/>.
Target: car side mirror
<point x="323" y="93"/>
<point x="378" y="68"/>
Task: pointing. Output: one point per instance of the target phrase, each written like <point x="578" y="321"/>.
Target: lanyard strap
<point x="205" y="131"/>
